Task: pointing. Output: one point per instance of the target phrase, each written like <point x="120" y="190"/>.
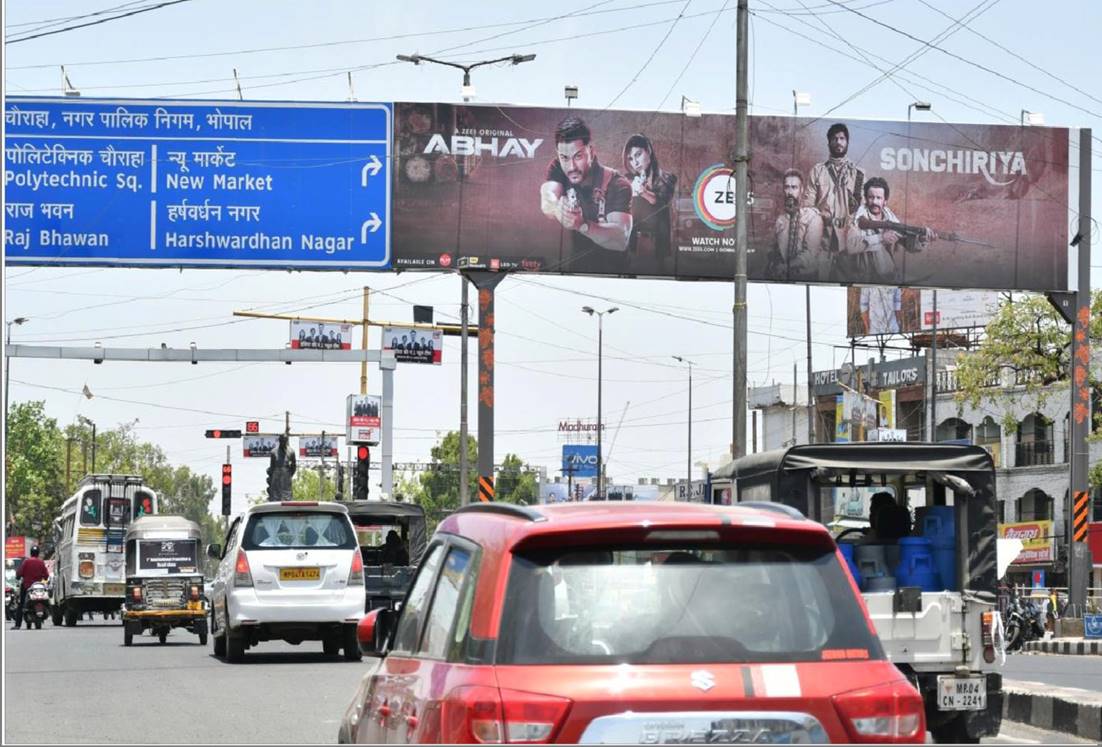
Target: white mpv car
<point x="289" y="571"/>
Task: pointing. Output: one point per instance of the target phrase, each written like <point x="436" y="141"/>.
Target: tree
<point x="1028" y="339"/>
<point x="307" y="486"/>
<point x="516" y="482"/>
<point x="438" y="493"/>
<point x="34" y="482"/>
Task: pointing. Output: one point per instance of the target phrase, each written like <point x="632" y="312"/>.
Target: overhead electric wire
<point x="53" y="22"/>
<point x="965" y="60"/>
<point x="95" y="23"/>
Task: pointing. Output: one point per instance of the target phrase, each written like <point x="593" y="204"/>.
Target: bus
<point x="89" y="541"/>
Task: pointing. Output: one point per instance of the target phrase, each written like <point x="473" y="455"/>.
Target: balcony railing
<point x="1034" y="453"/>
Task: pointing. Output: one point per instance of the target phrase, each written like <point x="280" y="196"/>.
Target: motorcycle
<point x="11" y="602"/>
<point x="37" y="607"/>
<point x="1025" y="621"/>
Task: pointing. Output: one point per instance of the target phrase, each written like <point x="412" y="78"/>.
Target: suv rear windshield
<point x="642" y="605"/>
<point x="298" y="530"/>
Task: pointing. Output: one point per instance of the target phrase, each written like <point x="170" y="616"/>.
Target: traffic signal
<point x="252" y="426"/>
<point x="219" y="433"/>
<point x="227" y="486"/>
<point x="362" y="474"/>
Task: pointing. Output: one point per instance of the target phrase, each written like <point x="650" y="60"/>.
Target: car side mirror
<point x="374" y="630"/>
<point x="214" y="551"/>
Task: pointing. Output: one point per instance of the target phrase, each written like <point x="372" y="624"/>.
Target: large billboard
<point x="891" y="310"/>
<point x="146" y="183"/>
<point x="579" y="460"/>
<point x="652" y="194"/>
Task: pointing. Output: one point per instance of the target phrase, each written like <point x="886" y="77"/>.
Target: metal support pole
<point x="68" y="463"/>
<point x="1079" y="501"/>
<point x="386" y="465"/>
<point x="795" y="385"/>
<point x="742" y="163"/>
<point x="689" y="452"/>
<point x="810" y="382"/>
<point x="363" y="344"/>
<point x="600" y="374"/>
<point x="485" y="283"/>
<point x="464" y="326"/>
<point x="7" y="370"/>
<point x="932" y="430"/>
<point x="93" y="448"/>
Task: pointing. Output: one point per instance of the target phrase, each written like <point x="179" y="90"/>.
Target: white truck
<point x="940" y="626"/>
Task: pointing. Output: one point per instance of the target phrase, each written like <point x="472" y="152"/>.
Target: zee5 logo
<point x="714" y="197"/>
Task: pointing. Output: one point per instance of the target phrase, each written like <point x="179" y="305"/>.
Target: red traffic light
<point x="362" y="453"/>
<point x="223" y="433"/>
<point x="252" y="426"/>
<point x="227" y="474"/>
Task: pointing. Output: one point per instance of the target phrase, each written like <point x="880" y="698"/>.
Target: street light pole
<point x="20" y="320"/>
<point x="689" y="452"/>
<point x="468" y="89"/>
<point x="600" y="365"/>
<point x="931" y="430"/>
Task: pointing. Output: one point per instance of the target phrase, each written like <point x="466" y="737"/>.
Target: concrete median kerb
<point x="1064" y="709"/>
<point x="1067" y="646"/>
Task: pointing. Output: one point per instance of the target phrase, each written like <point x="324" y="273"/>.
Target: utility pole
<point x="932" y="430"/>
<point x="1078" y="515"/>
<point x="363" y="344"/>
<point x="464" y="326"/>
<point x="742" y="163"/>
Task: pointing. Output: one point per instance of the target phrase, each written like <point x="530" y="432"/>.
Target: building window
<point x="989" y="435"/>
<point x="1034" y="445"/>
<point x="953" y="429"/>
<point x="1036" y="505"/>
<point x="1002" y="512"/>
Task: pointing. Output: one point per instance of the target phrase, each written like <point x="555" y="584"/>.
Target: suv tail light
<point x="242" y="576"/>
<point x="891" y="713"/>
<point x="356" y="575"/>
<point x="478" y="714"/>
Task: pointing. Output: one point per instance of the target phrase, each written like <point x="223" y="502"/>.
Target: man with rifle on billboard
<point x="876" y="233"/>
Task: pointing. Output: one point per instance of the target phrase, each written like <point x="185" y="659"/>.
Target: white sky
<point x="546" y="348"/>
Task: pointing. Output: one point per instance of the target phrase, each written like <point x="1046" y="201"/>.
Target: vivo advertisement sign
<point x="579" y="460"/>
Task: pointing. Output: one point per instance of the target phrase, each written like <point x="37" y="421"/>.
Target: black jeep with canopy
<point x="944" y="635"/>
<point x="388" y="571"/>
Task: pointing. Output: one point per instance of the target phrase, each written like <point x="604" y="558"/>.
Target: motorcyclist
<point x="31" y="571"/>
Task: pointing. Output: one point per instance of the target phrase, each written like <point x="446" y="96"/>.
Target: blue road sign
<point x="579" y="460"/>
<point x="129" y="182"/>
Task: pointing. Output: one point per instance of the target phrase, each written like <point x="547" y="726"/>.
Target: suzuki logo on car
<point x="301" y="555"/>
<point x="702" y="680"/>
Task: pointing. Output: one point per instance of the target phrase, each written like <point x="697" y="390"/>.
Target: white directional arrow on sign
<point x="369" y="225"/>
<point x="371" y="168"/>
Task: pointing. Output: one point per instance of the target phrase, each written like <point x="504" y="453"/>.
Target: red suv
<point x="630" y="623"/>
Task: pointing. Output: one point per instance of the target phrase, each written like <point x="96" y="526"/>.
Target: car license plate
<point x="961" y="693"/>
<point x="299" y="574"/>
<point x="114" y="590"/>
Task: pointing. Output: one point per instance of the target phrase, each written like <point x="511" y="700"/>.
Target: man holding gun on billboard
<point x="875" y="234"/>
<point x="591" y="201"/>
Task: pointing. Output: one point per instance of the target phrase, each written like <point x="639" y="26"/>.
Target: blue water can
<point x="846" y="549"/>
<point x="916" y="564"/>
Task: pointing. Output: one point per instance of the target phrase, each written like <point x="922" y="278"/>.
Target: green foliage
<point x="436" y="490"/>
<point x="38" y="451"/>
<point x="1094" y="476"/>
<point x="33" y="468"/>
<point x="516" y="483"/>
<point x="1028" y="340"/>
<point x="306" y="485"/>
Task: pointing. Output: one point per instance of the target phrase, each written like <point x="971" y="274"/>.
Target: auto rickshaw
<point x="164" y="582"/>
